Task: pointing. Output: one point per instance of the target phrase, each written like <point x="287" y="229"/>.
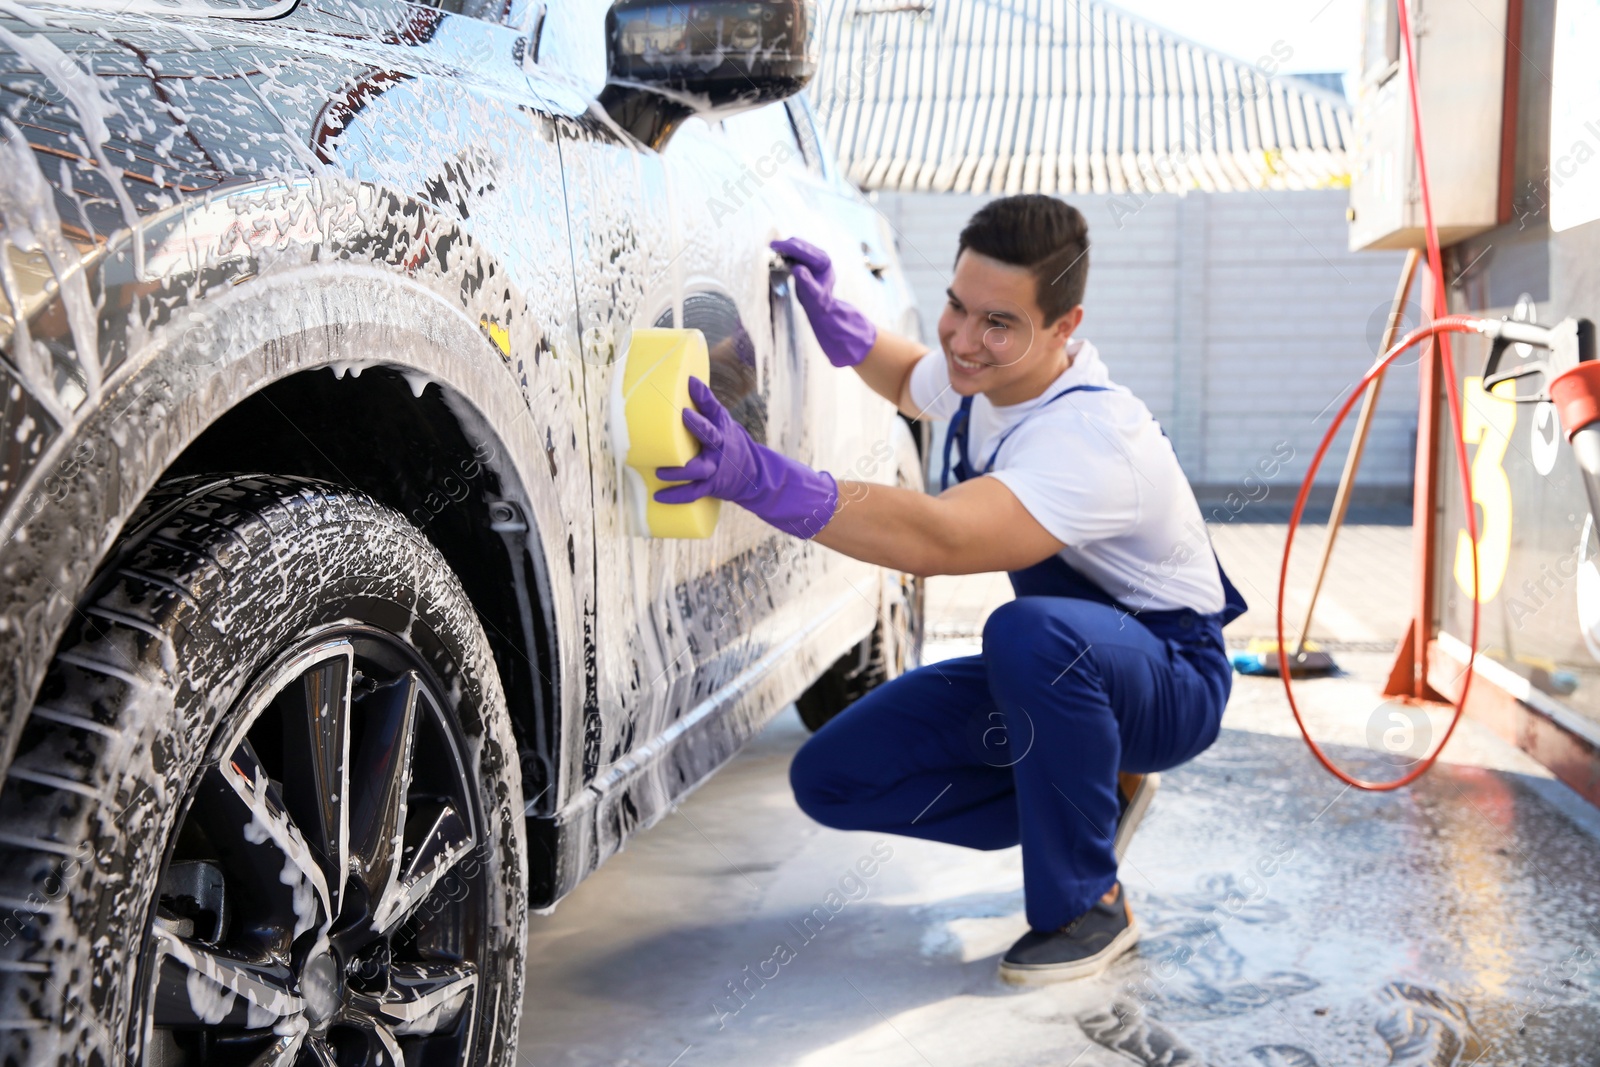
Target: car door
<point x="676" y="620"/>
<point x="680" y="238"/>
<point x="767" y="185"/>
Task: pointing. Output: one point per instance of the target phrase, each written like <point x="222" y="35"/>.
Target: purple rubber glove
<point x="784" y="492"/>
<point x="845" y="334"/>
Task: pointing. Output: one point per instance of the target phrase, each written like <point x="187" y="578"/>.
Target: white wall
<point x="1237" y="317"/>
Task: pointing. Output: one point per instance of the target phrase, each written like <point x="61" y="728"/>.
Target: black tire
<point x="895" y="645"/>
<point x="256" y="645"/>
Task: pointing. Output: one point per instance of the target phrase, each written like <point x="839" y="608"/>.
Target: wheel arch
<point x="431" y="458"/>
<point x="422" y="319"/>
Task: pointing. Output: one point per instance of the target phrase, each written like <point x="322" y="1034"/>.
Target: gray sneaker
<point x="1134" y="791"/>
<point x="1084" y="947"/>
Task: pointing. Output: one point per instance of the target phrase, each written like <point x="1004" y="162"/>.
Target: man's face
<point x="992" y="330"/>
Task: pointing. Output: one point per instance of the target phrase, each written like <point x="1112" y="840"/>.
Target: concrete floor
<point x="1288" y="921"/>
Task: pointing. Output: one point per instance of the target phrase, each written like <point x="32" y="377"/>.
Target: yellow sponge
<point x="655" y="390"/>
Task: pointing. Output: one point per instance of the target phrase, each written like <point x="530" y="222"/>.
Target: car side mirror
<point x="669" y="60"/>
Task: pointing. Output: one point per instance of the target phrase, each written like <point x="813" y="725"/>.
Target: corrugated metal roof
<point x="1059" y="96"/>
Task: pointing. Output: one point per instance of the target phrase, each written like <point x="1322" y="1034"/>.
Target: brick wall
<point x="1239" y="318"/>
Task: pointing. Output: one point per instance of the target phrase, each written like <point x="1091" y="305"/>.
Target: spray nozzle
<point x="1569" y="343"/>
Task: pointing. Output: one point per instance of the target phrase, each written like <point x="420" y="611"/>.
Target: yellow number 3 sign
<point x="1487" y="421"/>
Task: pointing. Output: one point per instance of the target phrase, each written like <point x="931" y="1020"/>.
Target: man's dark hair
<point x="1047" y="236"/>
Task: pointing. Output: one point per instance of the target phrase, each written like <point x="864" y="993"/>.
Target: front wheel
<point x="267" y="807"/>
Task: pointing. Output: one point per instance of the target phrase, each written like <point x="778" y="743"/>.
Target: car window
<point x="806" y="133"/>
<point x="518" y="13"/>
<point x="766" y="134"/>
<point x="734" y="378"/>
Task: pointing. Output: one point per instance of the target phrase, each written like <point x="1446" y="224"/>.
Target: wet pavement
<point x="1287" y="919"/>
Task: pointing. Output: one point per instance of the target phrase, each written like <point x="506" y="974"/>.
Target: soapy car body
<point x="382" y="254"/>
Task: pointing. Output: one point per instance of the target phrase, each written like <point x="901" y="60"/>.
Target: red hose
<point x="1442" y="325"/>
<point x="1439" y="327"/>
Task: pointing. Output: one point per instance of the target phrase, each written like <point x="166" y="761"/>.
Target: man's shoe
<point x="1134" y="792"/>
<point x="1082" y="948"/>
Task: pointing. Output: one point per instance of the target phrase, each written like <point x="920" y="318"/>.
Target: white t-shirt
<point x="1095" y="470"/>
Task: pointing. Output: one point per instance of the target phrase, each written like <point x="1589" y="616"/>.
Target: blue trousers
<point x="1022" y="744"/>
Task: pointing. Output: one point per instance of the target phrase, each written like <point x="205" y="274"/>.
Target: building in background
<point x="1221" y="288"/>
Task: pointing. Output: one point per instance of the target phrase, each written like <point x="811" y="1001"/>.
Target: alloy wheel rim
<point x="320" y="902"/>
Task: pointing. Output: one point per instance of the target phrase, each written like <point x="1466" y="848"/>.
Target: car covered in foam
<point x="329" y="647"/>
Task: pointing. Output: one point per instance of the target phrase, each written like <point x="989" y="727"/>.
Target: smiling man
<point x="1107" y="667"/>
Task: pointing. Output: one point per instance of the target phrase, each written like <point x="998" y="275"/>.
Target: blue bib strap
<point x="961" y="425"/>
<point x="956" y="436"/>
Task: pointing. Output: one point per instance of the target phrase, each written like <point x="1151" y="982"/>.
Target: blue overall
<point x="1022" y="744"/>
